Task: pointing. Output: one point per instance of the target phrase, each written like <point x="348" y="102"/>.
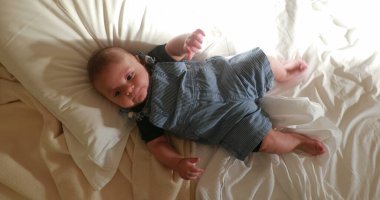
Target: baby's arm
<point x="184" y="44"/>
<point x="168" y="156"/>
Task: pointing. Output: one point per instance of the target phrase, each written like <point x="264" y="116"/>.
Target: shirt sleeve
<point x="160" y="55"/>
<point x="148" y="131"/>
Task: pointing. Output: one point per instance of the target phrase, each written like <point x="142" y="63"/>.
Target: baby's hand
<point x="193" y="43"/>
<point x="188" y="170"/>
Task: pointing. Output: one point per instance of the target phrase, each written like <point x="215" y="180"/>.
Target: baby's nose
<point x="129" y="89"/>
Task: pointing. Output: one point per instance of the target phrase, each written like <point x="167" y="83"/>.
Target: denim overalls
<point x="213" y="101"/>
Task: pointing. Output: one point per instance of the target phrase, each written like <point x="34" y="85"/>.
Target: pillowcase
<point x="46" y="44"/>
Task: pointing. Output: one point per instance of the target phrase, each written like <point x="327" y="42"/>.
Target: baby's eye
<point x="130" y="76"/>
<point x="117" y="93"/>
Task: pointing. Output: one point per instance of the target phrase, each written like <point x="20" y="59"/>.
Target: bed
<point x="60" y="140"/>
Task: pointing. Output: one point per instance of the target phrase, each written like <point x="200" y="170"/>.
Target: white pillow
<point x="45" y="44"/>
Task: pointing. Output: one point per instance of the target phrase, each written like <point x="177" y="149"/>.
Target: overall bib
<point x="213" y="101"/>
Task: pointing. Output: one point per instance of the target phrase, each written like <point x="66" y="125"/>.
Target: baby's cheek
<point x="143" y="96"/>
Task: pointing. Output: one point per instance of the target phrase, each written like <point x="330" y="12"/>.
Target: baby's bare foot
<point x="310" y="146"/>
<point x="291" y="69"/>
<point x="296" y="65"/>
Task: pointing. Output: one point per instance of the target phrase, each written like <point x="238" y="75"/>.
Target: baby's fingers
<point x="193" y="176"/>
<point x="193" y="168"/>
<point x="196" y="38"/>
<point x="199" y="33"/>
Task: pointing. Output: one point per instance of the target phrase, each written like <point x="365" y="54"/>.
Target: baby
<point x="215" y="101"/>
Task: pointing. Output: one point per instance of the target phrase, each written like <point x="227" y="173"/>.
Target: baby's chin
<point x="132" y="103"/>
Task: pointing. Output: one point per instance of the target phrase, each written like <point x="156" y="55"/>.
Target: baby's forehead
<point x="121" y="53"/>
<point x="119" y="57"/>
<point x="115" y="52"/>
<point x="115" y="55"/>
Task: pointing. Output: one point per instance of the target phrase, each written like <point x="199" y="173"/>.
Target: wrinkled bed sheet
<point x="342" y="108"/>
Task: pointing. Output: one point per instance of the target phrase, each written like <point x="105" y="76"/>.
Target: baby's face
<point x="125" y="83"/>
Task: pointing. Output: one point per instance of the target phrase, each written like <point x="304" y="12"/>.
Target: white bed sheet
<point x="344" y="55"/>
<point x="343" y="52"/>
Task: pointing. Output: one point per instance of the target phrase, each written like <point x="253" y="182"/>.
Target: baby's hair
<point x="101" y="58"/>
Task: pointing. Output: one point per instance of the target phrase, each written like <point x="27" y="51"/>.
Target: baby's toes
<point x="302" y="65"/>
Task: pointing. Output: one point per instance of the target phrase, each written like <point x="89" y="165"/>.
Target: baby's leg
<point x="286" y="71"/>
<point x="280" y="142"/>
